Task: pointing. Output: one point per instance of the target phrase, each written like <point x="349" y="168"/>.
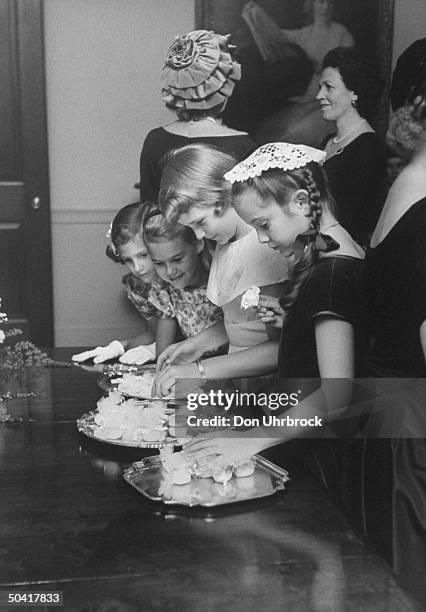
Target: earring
<point x="353" y="102"/>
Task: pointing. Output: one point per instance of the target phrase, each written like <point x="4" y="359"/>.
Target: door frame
<point x="35" y="168"/>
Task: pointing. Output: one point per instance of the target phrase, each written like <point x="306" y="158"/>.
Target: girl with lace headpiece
<point x="281" y="191"/>
<point x="194" y="192"/>
<point x="198" y="77"/>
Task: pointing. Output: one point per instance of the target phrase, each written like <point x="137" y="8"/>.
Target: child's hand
<point x="165" y="381"/>
<point x="139" y="355"/>
<point x="224" y="447"/>
<point x="269" y="311"/>
<point x="101" y="353"/>
<point x="181" y="352"/>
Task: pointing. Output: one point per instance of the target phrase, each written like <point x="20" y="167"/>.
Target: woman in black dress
<point x="355" y="162"/>
<point x="198" y="77"/>
<point x="396" y="289"/>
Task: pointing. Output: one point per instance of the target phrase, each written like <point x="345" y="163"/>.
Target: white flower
<point x="2" y="336"/>
<point x="250" y="298"/>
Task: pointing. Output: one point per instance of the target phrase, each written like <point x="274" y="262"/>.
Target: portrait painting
<point x="281" y="45"/>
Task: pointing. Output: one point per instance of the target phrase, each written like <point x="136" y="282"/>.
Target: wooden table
<point x="69" y="522"/>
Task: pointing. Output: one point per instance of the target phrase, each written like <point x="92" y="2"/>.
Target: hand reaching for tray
<point x="139" y="355"/>
<point x="165" y="381"/>
<point x="179" y="353"/>
<point x="227" y="446"/>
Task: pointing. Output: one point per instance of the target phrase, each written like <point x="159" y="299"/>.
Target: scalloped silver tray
<point x="87" y="426"/>
<point x="146" y="476"/>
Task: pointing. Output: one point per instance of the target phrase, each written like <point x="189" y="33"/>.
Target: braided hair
<point x="279" y="185"/>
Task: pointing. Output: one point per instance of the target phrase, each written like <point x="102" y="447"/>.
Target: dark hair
<point x="196" y="114"/>
<point x="359" y="74"/>
<point x="280" y="185"/>
<point x="193" y="175"/>
<point x="126" y="224"/>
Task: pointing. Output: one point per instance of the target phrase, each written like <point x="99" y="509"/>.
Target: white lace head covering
<point x="282" y="155"/>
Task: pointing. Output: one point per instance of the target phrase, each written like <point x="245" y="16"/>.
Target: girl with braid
<point x="281" y="191"/>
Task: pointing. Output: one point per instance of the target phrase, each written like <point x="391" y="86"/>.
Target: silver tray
<point x="146" y="476"/>
<point x="116" y="370"/>
<point x="87" y="426"/>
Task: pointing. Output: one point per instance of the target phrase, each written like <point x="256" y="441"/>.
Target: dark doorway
<point x="25" y="240"/>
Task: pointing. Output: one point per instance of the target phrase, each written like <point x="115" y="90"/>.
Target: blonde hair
<point x="193" y="176"/>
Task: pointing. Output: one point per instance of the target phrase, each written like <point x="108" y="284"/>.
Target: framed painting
<point x="275" y="99"/>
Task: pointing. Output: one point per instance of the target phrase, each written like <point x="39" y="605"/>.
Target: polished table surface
<point x="70" y="522"/>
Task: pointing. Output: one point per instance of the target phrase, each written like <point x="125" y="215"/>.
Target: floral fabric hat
<point x="199" y="71"/>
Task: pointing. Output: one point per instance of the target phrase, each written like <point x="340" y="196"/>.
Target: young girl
<point x="194" y="192"/>
<point x="282" y="192"/>
<point x="128" y="247"/>
<point x="182" y="265"/>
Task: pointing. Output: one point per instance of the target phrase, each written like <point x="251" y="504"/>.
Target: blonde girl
<point x="194" y="192"/>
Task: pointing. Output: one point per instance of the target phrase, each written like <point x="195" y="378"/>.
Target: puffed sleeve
<point x="335" y="289"/>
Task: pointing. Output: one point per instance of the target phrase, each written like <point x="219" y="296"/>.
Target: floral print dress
<point x="137" y="292"/>
<point x="190" y="307"/>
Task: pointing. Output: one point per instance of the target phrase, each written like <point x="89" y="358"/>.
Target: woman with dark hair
<point x="355" y="162"/>
<point x="398" y="246"/>
<point x="198" y="76"/>
<point x="396" y="292"/>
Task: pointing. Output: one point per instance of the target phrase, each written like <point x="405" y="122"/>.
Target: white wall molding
<point x="81" y="216"/>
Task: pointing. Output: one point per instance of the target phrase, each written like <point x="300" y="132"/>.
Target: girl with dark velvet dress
<point x="281" y="191"/>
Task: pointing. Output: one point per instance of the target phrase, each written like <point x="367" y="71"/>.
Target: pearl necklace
<point x="337" y="140"/>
